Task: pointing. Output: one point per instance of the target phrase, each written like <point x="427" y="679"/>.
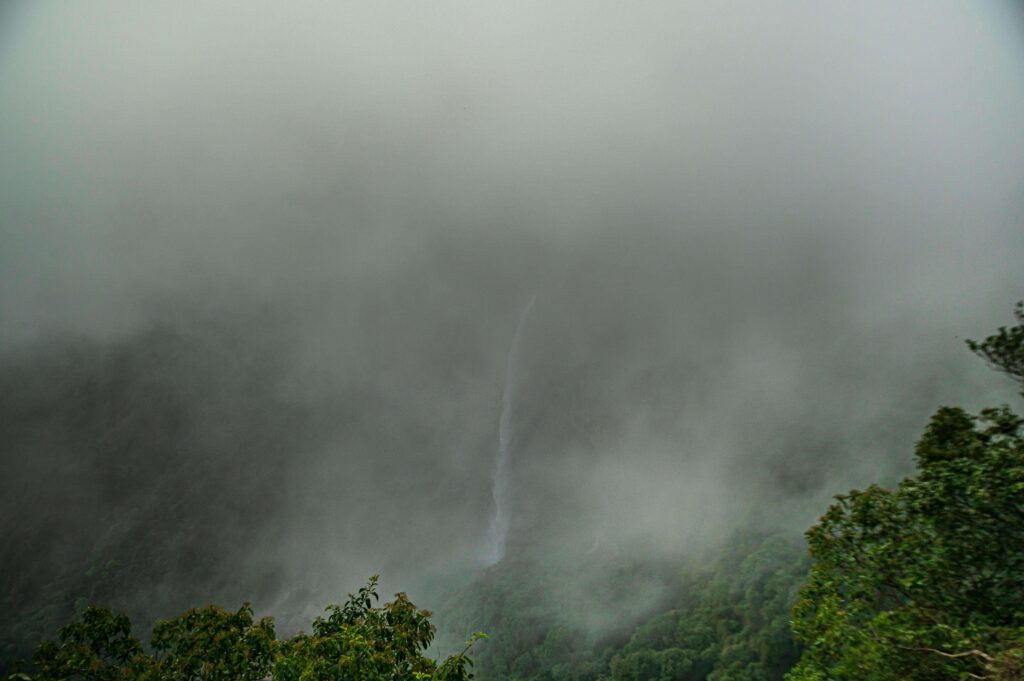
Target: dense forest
<point x="919" y="582"/>
<point x="728" y="618"/>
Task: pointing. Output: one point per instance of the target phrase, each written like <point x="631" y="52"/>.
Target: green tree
<point x="213" y="644"/>
<point x="1004" y="350"/>
<point x="927" y="581"/>
<point x="360" y="642"/>
<point x="357" y="641"/>
<point x="98" y="646"/>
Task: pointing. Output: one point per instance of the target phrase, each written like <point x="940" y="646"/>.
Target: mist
<point x="262" y="268"/>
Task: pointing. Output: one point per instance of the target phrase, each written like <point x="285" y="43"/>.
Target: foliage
<point x="927" y="581"/>
<point x="1004" y="350"/>
<point x="360" y="642"/>
<point x="737" y="628"/>
<point x="357" y="641"/>
<point x="98" y="646"/>
<point x="728" y="621"/>
<point x="213" y="643"/>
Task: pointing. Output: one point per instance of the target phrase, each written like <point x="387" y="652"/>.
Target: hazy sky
<point x="757" y="234"/>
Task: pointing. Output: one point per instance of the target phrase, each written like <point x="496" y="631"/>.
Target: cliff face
<point x="133" y="472"/>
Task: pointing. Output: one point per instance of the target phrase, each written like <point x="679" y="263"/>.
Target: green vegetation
<point x="735" y="627"/>
<point x="927" y="581"/>
<point x="729" y="620"/>
<point x="356" y="641"/>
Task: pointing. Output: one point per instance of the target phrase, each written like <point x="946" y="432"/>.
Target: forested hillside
<point x="727" y="617"/>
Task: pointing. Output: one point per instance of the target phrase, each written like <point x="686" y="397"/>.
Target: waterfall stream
<point x="497" y="531"/>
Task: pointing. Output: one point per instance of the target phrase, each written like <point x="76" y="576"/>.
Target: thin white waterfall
<point x="497" y="532"/>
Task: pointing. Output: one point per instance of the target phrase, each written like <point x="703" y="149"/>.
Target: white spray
<point x="497" y="532"/>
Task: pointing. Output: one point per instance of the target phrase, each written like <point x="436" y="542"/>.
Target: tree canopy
<point x="357" y="641"/>
<point x="927" y="581"/>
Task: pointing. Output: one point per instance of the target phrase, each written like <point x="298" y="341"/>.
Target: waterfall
<point x="497" y="532"/>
